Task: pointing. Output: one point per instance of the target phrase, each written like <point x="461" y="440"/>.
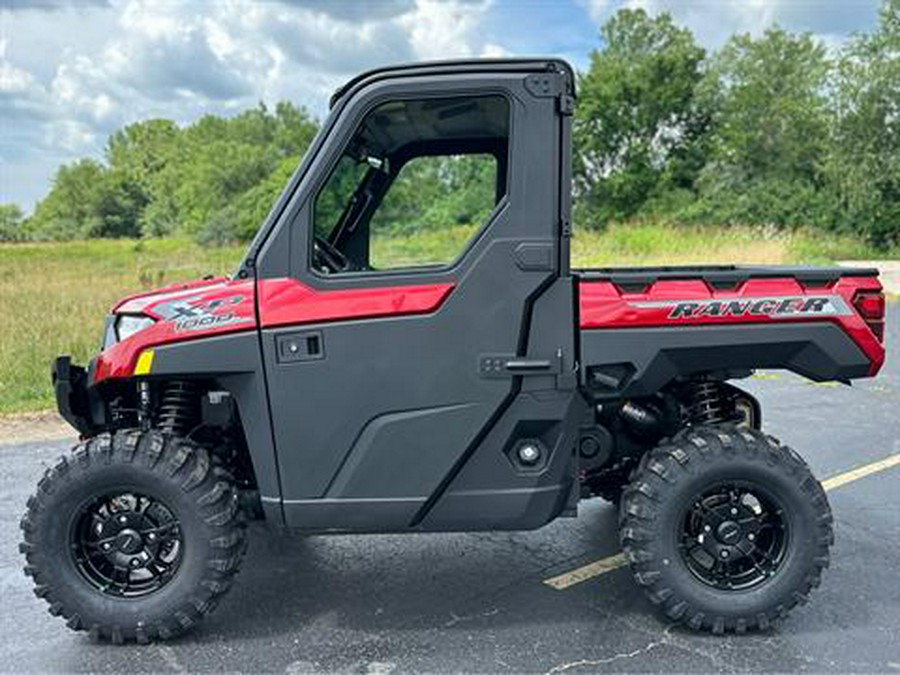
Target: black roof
<point x="526" y="65"/>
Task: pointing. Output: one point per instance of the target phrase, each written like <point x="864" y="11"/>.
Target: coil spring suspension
<point x="179" y="407"/>
<point x="707" y="403"/>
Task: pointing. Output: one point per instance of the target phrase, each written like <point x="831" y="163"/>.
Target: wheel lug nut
<point x="151" y="536"/>
<point x="123" y="519"/>
<point x="724" y="554"/>
<point x="107" y="546"/>
<point x="751" y="536"/>
<point x="707" y="528"/>
<point x="135" y="562"/>
<point x="733" y="511"/>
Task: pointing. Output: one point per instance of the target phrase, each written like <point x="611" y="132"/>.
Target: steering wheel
<point x="328" y="257"/>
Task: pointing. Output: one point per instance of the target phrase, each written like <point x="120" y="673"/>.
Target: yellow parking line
<point x="861" y="472"/>
<point x="595" y="569"/>
<point x="614" y="562"/>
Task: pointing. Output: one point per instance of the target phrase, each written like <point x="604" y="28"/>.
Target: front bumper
<point x="78" y="404"/>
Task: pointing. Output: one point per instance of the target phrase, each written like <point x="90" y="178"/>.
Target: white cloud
<point x="72" y="72"/>
<point x="442" y="29"/>
<point x="354" y="10"/>
<point x="713" y="21"/>
<point x="598" y="10"/>
<point x="494" y="51"/>
<point x="12" y="79"/>
<point x="22" y="98"/>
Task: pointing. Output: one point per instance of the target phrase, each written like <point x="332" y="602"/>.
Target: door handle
<point x="294" y="347"/>
<point x="498" y="366"/>
<point x="521" y="366"/>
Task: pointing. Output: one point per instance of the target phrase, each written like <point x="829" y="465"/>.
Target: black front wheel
<point x="134" y="536"/>
<point x="725" y="528"/>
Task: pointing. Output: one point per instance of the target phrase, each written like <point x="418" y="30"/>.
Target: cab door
<point x="394" y="297"/>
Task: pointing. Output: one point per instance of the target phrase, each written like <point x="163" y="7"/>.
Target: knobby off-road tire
<point x="183" y="484"/>
<point x="659" y="512"/>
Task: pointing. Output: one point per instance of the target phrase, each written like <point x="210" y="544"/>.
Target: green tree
<point x="294" y="129"/>
<point x="638" y="128"/>
<point x="435" y="192"/>
<point x="145" y="155"/>
<point x="11" y="217"/>
<point x="863" y="164"/>
<point x="231" y="171"/>
<point x="216" y="174"/>
<point x="769" y="131"/>
<point x="70" y="210"/>
<point x="120" y="203"/>
<point x="88" y="200"/>
<point x="252" y="207"/>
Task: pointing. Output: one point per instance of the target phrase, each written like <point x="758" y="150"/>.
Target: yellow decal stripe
<point x="144" y="362"/>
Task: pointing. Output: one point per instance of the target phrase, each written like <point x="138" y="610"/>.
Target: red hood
<point x="135" y="304"/>
<point x="183" y="312"/>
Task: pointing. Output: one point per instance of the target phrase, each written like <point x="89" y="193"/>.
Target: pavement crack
<point x="455" y="619"/>
<point x="670" y="640"/>
<point x="561" y="668"/>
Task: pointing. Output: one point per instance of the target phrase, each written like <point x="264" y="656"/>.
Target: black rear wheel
<point x="725" y="528"/>
<point x="133" y="537"/>
<point x="734" y="536"/>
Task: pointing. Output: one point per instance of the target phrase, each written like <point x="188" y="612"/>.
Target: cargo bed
<point x="662" y="323"/>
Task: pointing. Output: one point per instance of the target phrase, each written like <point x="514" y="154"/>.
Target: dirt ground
<point x="34" y="426"/>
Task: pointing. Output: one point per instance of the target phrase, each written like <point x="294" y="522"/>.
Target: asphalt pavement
<point x="477" y="602"/>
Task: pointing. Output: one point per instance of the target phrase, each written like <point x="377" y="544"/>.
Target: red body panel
<point x="187" y="312"/>
<point x="693" y="302"/>
<point x="220" y="306"/>
<point x="285" y="302"/>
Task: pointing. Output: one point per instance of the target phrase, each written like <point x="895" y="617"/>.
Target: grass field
<point x="54" y="297"/>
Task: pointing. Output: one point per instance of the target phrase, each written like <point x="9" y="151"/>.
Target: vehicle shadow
<point x="410" y="582"/>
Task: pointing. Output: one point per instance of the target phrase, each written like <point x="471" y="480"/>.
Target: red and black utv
<point x="334" y="385"/>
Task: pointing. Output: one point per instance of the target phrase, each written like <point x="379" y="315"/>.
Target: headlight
<point x="127" y="325"/>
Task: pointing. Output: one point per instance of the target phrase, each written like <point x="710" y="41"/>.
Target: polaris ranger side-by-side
<point x="334" y="385"/>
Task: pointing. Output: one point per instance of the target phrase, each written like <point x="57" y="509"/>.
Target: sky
<point x="73" y="71"/>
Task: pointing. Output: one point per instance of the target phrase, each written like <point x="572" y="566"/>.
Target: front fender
<point x="234" y="363"/>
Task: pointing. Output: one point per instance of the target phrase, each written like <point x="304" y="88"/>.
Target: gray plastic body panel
<point x="818" y="350"/>
<point x="233" y="362"/>
<point x="371" y="435"/>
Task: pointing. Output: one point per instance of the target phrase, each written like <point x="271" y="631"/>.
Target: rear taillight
<point x="870" y="305"/>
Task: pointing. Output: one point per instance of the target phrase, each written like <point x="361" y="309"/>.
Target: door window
<point x="414" y="186"/>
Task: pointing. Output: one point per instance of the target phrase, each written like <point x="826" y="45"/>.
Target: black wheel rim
<point x="126" y="544"/>
<point x="734" y="536"/>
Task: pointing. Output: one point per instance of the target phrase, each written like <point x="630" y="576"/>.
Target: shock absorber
<point x="707" y="404"/>
<point x="144" y="402"/>
<point x="179" y="407"/>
